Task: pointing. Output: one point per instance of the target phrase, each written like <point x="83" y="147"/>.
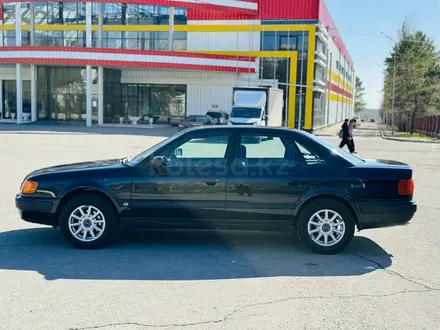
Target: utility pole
<point x="394" y="80"/>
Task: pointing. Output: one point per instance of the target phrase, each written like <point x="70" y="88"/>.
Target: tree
<point x="359" y="102"/>
<point x="417" y="78"/>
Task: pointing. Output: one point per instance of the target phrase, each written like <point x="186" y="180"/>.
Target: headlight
<point x="29" y="187"/>
<point x="180" y="125"/>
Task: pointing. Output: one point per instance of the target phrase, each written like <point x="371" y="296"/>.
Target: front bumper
<point x="37" y="210"/>
<point x="384" y="214"/>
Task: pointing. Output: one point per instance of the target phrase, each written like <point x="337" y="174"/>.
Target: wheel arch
<point x="337" y="198"/>
<point x="79" y="192"/>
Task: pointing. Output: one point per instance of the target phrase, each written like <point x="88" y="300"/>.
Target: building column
<point x="171" y="30"/>
<point x="33" y="66"/>
<point x="89" y="82"/>
<point x="100" y="69"/>
<point x="18" y="65"/>
<point x="2" y="102"/>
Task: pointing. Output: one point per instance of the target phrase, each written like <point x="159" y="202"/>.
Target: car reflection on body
<point x="212" y="178"/>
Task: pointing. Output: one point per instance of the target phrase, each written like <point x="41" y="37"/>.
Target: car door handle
<point x="211" y="183"/>
<point x="295" y="184"/>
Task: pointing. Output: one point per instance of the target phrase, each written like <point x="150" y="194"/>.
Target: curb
<point x="405" y="140"/>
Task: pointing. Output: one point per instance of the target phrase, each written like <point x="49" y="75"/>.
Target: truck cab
<point x="257" y="107"/>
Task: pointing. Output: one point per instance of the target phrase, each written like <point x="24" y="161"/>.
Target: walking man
<point x="351" y="126"/>
<point x="346" y="136"/>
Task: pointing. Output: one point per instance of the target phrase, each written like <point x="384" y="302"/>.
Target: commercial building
<point x="104" y="62"/>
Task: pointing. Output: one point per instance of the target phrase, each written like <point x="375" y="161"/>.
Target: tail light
<point x="406" y="187"/>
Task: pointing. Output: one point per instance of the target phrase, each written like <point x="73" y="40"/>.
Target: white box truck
<point x="258" y="106"/>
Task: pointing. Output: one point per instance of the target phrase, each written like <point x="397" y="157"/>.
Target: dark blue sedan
<point x="221" y="178"/>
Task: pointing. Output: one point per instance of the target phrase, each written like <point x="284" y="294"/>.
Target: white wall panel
<point x="223" y="41"/>
<point x="204" y="89"/>
<point x="201" y="98"/>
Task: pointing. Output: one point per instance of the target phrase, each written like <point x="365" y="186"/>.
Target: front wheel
<point x="88" y="221"/>
<point x="326" y="226"/>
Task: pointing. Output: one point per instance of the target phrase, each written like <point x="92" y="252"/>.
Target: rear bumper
<point x="384" y="214"/>
<point x="37" y="210"/>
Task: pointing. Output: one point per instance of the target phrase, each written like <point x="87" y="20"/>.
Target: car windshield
<point x="200" y="119"/>
<point x="246" y="113"/>
<point x="144" y="154"/>
<point x="341" y="152"/>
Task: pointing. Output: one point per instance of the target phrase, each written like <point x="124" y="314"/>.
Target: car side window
<point x="207" y="147"/>
<point x="310" y="157"/>
<point x="265" y="150"/>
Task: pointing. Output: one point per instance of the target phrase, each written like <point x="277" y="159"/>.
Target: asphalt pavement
<point x="386" y="279"/>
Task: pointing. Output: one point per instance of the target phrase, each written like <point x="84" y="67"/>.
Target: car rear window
<point x="341" y="152"/>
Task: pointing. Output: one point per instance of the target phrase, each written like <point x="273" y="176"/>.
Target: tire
<point x="339" y="229"/>
<point x="101" y="225"/>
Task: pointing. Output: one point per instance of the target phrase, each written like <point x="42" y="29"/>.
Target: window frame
<point x="185" y="137"/>
<point x="287" y="140"/>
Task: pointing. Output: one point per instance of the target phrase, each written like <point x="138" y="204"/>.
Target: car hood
<point x="98" y="164"/>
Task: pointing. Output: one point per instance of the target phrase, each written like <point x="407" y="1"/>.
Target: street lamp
<point x="394" y="81"/>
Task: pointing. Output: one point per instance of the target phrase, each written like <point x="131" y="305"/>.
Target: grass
<point x="406" y="135"/>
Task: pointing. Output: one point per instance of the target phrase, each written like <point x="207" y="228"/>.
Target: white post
<point x="32" y="23"/>
<point x="100" y="69"/>
<point x="100" y="95"/>
<point x="88" y="67"/>
<point x="33" y="92"/>
<point x="100" y="23"/>
<point x="171" y="30"/>
<point x="18" y="65"/>
<point x="33" y="67"/>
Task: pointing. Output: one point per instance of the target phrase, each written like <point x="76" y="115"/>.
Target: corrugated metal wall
<point x="268" y="10"/>
<point x="289" y="9"/>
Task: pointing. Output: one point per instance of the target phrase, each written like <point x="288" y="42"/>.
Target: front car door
<point x="190" y="190"/>
<point x="266" y="179"/>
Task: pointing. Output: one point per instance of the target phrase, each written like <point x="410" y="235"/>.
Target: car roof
<point x="247" y="127"/>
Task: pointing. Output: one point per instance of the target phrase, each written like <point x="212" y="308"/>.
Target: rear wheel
<point x="326" y="226"/>
<point x="88" y="221"/>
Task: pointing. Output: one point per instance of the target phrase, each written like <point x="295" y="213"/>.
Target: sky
<point x="360" y="23"/>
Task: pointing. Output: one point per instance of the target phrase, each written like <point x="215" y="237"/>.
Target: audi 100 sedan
<point x="220" y="178"/>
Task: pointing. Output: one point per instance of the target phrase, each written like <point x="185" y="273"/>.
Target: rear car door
<point x="266" y="179"/>
<point x="190" y="191"/>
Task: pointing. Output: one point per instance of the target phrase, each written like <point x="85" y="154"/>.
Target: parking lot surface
<point x="386" y="279"/>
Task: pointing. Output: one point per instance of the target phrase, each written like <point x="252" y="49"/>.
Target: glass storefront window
<point x="61" y="94"/>
<point x="9" y="13"/>
<point x="319" y="73"/>
<point x="73" y="13"/>
<point x="283" y="41"/>
<point x="162" y="103"/>
<point x="10" y="98"/>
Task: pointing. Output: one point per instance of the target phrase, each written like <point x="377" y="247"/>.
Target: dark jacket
<point x="345" y="131"/>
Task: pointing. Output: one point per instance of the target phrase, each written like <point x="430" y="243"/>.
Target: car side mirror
<point x="158" y="161"/>
<point x="178" y="152"/>
<point x="159" y="164"/>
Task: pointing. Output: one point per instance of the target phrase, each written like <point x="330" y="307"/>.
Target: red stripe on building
<point x="127" y="51"/>
<point x="133" y="64"/>
<point x="339" y="90"/>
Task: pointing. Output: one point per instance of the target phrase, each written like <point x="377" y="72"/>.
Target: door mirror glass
<point x="158" y="162"/>
<point x="178" y="152"/>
